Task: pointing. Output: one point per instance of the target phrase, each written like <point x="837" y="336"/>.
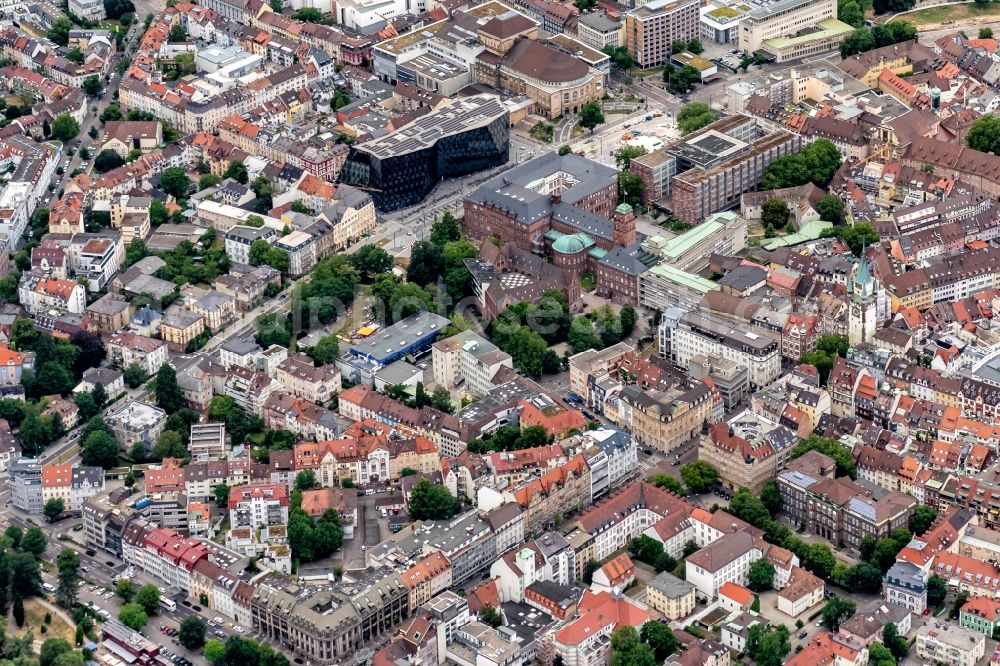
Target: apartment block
<point x="468" y="359"/>
<point x="945" y="643"/>
<point x="650" y="29"/>
<point x="723" y="169"/>
<point x="207" y="441"/>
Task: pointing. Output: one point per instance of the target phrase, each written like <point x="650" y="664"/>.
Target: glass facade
<point x="404" y="180"/>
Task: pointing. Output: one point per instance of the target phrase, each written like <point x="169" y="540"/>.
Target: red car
<point x="927" y="611"/>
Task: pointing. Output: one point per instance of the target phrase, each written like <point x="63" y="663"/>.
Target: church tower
<point x="862" y="315"/>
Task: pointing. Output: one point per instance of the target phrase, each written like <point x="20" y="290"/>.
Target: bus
<point x="167" y="603"/>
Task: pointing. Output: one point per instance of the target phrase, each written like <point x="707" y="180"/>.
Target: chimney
<point x="556" y="198"/>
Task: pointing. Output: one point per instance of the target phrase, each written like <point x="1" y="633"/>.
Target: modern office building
<point x="650" y="29"/>
<point x="413" y="335"/>
<point x="792" y="29"/>
<point x="399" y="169"/>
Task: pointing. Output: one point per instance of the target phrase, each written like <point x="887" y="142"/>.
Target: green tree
<point x="100" y="450"/>
<point x="371" y="260"/>
<point x="937" y="590"/>
<point x="157" y="212"/>
<point x="491" y="616"/>
<point x="819" y="559"/>
<point x="879" y="655"/>
<point x="34" y="542"/>
<point x="591" y="115"/>
<point x="54" y="509"/>
<point x="425" y="263"/>
<point x="68" y="568"/>
<point x="630" y="188"/>
<point x="175" y="182"/>
<point x="208" y="180"/>
<point x="221" y="493"/>
<point x="326" y="350"/>
<point x="431" y="502"/>
<point x="51" y="649"/>
<point x="178" y="33"/>
<point x="815" y="163"/>
<point x="306" y="480"/>
<point x="770" y="497"/>
<point x="986" y="33"/>
<point x="668" y="483"/>
<point x="441" y="400"/>
<point x="699" y="476"/>
<point x="775" y="213"/>
<point x="766" y="646"/>
<point x="169" y="397"/>
<point x="628" y="317"/>
<point x="897" y="645"/>
<point x="65" y="128"/>
<point x="625" y="155"/>
<point x="213" y="651"/>
<point x="695" y="47"/>
<point x="238" y="172"/>
<point x="837" y="611"/>
<point x="107" y="160"/>
<point x="445" y="230"/>
<point x="170" y="444"/>
<point x="92" y="86"/>
<point x="148" y="597"/>
<point x="692" y="117"/>
<point x="684" y="79"/>
<point x="59" y="32"/>
<point x="661" y="639"/>
<point x="761" y="575"/>
<point x="746" y="507"/>
<point x="565" y="149"/>
<point x="628" y="650"/>
<point x="831" y="209"/>
<point x="125" y="590"/>
<point x="859" y="41"/>
<point x="192" y="632"/>
<point x="132" y="615"/>
<point x="850" y="12"/>
<point x="134" y="375"/>
<point x="921" y="520"/>
<point x="581" y="335"/>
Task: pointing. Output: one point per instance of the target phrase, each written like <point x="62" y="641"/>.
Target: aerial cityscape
<point x="499" y="333"/>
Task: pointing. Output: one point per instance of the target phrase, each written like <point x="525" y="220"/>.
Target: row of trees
<point x="815" y="163"/>
<point x="507" y="438"/>
<point x="879" y="35"/>
<point x="698" y="477"/>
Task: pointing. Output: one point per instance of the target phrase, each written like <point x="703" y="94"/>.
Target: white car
<point x="238" y="629"/>
<point x="218" y="620"/>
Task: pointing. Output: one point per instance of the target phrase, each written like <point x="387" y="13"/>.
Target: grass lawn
<point x="34" y="619"/>
<point x="935" y="16"/>
<point x="588" y="282"/>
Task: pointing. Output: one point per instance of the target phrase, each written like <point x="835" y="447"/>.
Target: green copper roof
<point x="623" y="208"/>
<point x="572" y="243"/>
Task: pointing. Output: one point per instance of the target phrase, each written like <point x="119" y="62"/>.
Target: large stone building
<point x="747" y="451"/>
<point x="838" y="509"/>
<point x="563" y="193"/>
<point x="556" y="80"/>
<point x="664" y="420"/>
